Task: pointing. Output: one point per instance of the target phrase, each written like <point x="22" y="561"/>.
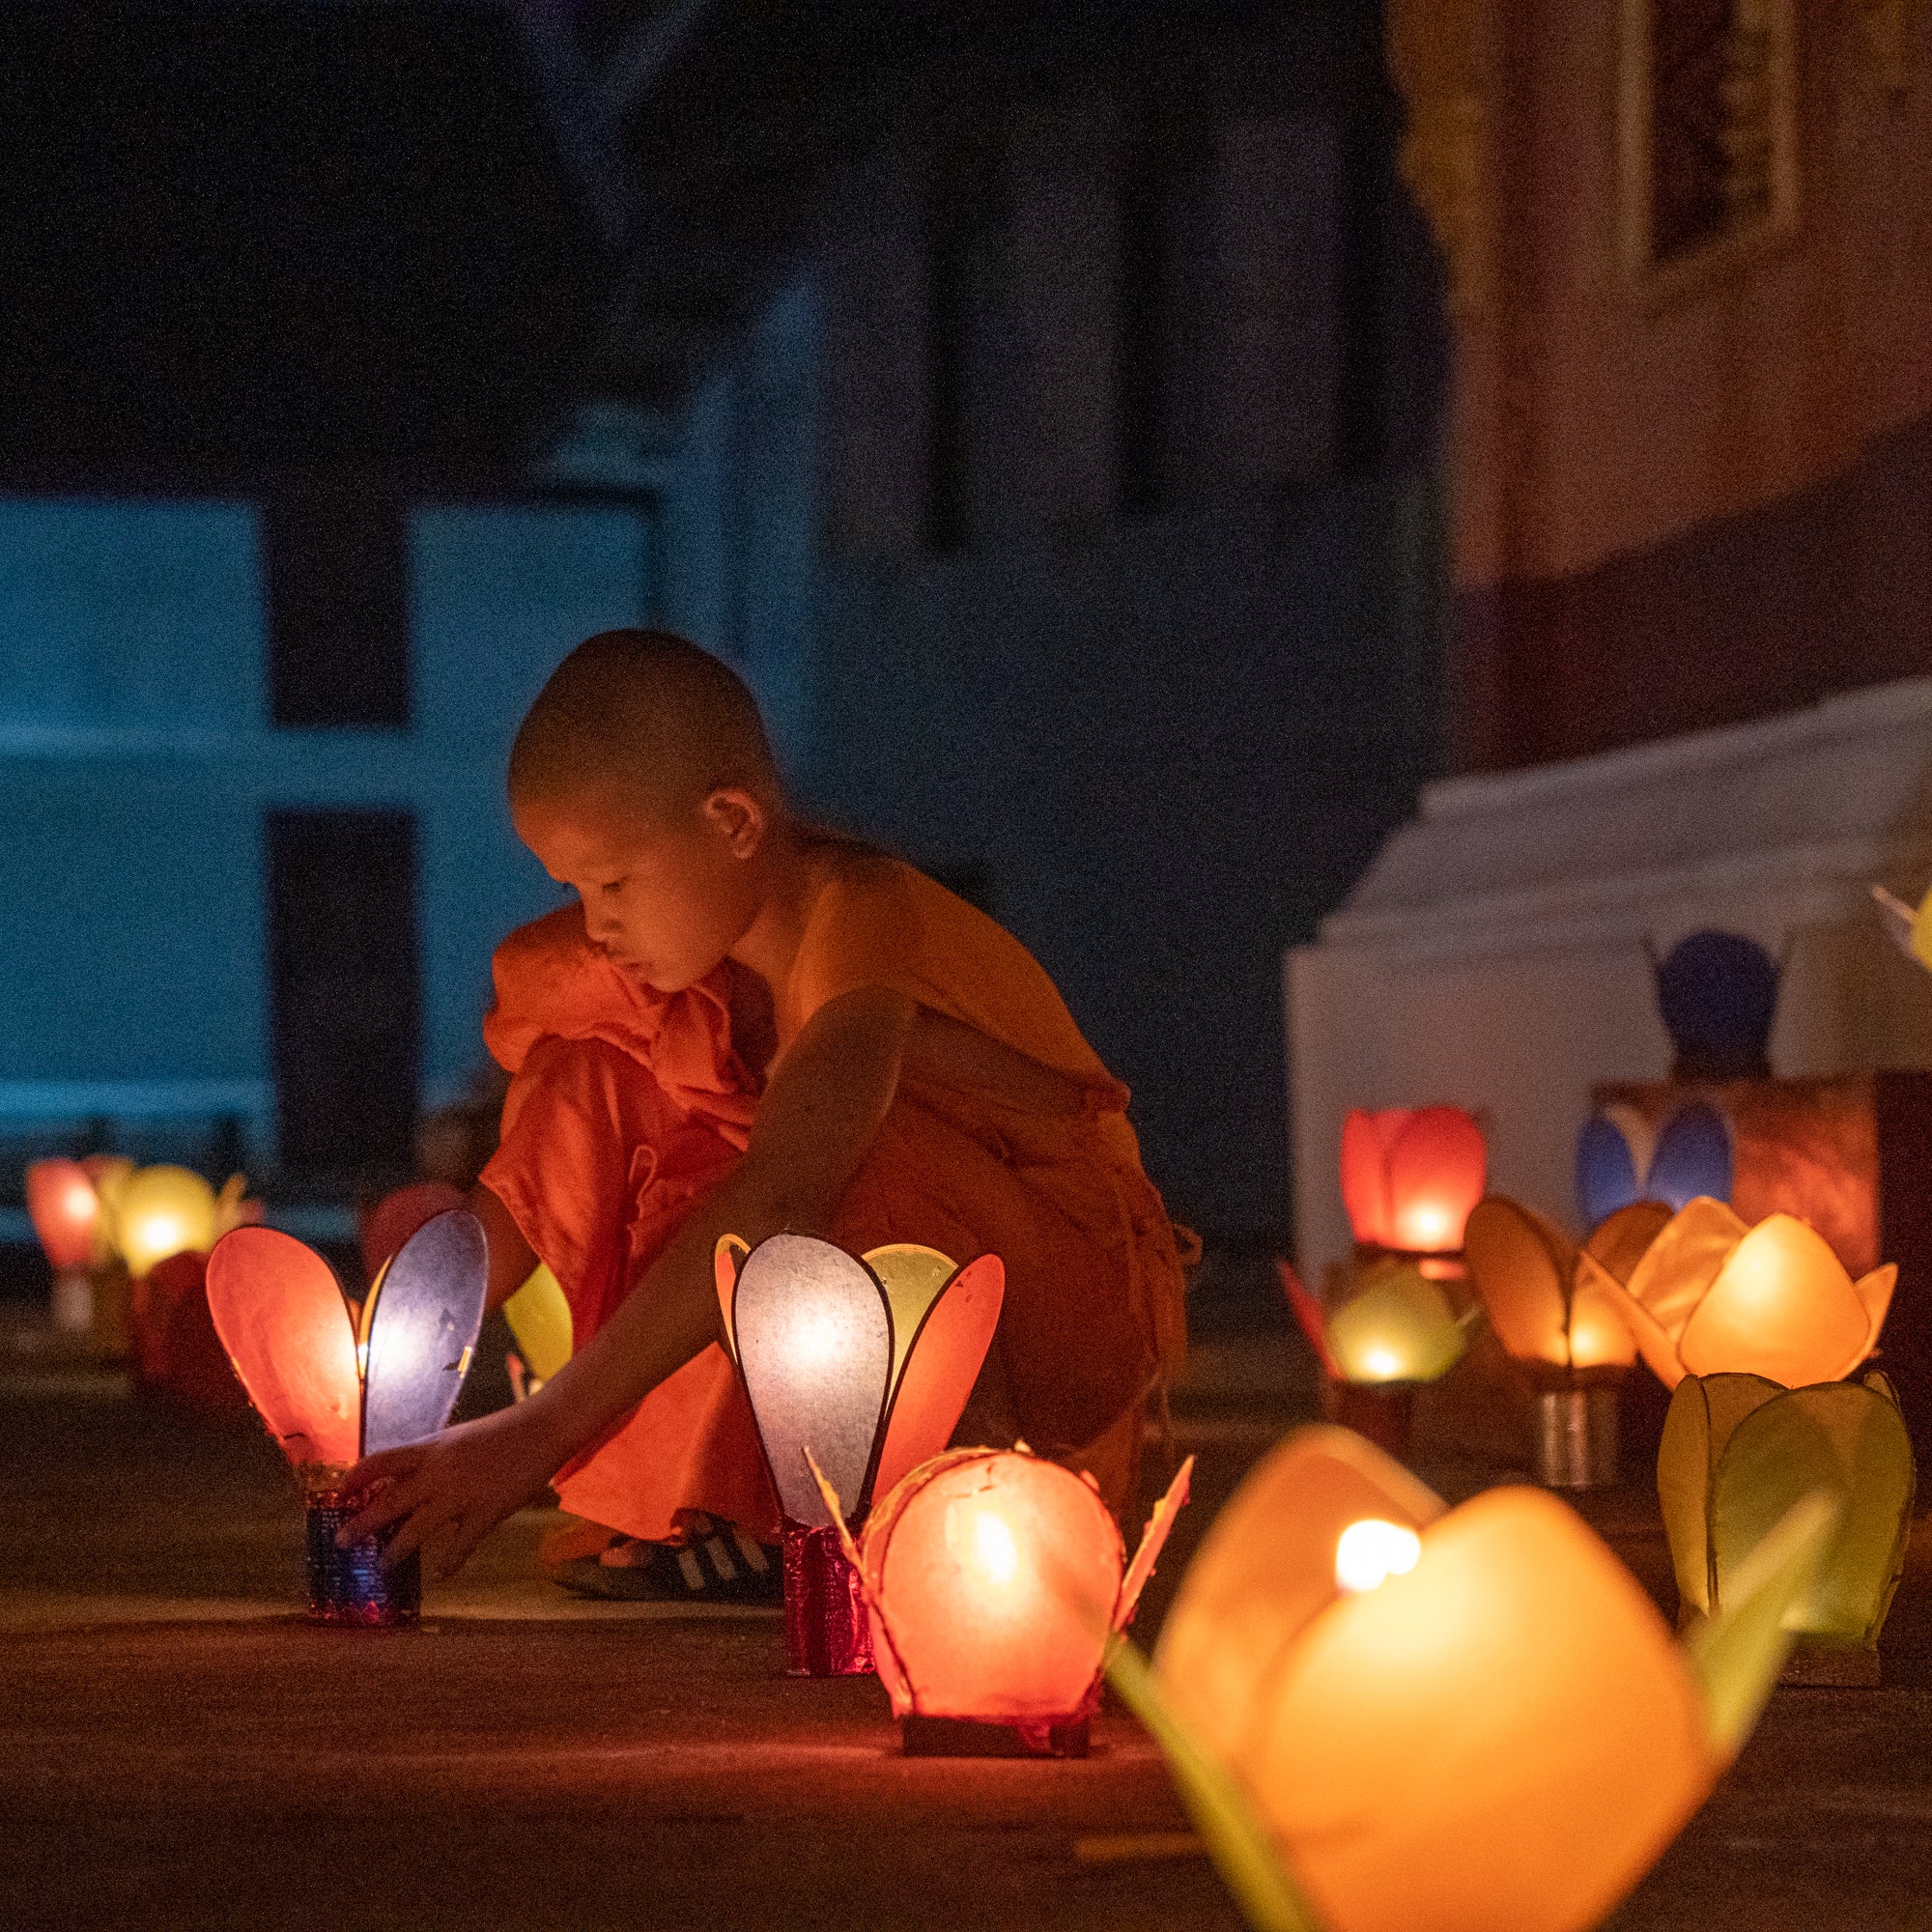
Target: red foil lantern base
<point x="827" y="1630"/>
<point x="967" y="1737"/>
<point x="351" y="1586"/>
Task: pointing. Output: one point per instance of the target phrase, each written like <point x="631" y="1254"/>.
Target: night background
<point x="1348" y="528"/>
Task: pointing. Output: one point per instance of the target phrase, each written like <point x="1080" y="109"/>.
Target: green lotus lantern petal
<point x="1739" y="1451"/>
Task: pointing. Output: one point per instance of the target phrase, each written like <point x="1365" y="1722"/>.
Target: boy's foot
<point x="716" y="1564"/>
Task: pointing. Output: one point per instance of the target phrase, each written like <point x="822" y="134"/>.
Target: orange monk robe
<point x="627" y="1105"/>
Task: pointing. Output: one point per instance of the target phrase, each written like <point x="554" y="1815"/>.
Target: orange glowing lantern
<point x="1552" y="1307"/>
<point x="861" y="1368"/>
<point x="994" y="1581"/>
<point x="1410" y="1175"/>
<point x="66" y="1213"/>
<point x="1404" y="1716"/>
<point x="1713" y="1296"/>
<point x="332" y="1386"/>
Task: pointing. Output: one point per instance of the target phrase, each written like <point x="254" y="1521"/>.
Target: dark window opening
<point x="1710" y="124"/>
<point x="1144" y="328"/>
<point x="964" y="211"/>
<point x="345" y="1002"/>
<point x="337" y="568"/>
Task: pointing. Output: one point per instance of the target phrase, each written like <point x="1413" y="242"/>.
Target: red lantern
<point x="66" y="1212"/>
<point x="1410" y="1178"/>
<point x="994" y="1581"/>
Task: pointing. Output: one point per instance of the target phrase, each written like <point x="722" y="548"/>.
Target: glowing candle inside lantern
<point x="1369" y="1552"/>
<point x="66" y="1211"/>
<point x="163" y="1211"/>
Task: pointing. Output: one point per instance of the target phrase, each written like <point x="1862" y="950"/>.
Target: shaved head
<point x="642" y="722"/>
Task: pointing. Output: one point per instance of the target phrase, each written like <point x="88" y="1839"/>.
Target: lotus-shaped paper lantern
<point x="333" y="1388"/>
<point x="1712" y="1295"/>
<point x="994" y="1581"/>
<point x="1389" y="1717"/>
<point x="1908" y="926"/>
<point x="1738" y="1451"/>
<point x="540" y="1319"/>
<point x="66" y="1213"/>
<point x="866" y="1364"/>
<point x="1409" y="1177"/>
<point x="159" y="1212"/>
<point x="1620" y="1161"/>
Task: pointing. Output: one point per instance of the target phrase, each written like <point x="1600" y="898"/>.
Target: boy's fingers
<point x="394" y="1500"/>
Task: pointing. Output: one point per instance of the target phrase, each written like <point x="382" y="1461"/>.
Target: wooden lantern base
<point x="964" y="1737"/>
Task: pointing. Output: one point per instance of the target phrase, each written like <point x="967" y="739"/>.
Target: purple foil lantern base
<point x="828" y="1633"/>
<point x="351" y="1586"/>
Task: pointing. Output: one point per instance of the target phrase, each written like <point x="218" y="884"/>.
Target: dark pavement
<point x="179" y="1750"/>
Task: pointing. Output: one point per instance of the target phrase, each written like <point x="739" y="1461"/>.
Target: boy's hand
<point x="445" y="1496"/>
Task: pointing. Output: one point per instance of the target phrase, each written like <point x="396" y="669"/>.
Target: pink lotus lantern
<point x="1410" y="1175"/>
<point x="66" y="1213"/>
<point x="995" y="1582"/>
<point x="333" y="1388"/>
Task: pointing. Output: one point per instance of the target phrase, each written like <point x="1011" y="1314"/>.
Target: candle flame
<point x="1369" y="1552"/>
<point x="993" y="1545"/>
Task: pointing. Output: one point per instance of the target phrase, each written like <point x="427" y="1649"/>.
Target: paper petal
<point x="280" y="1315"/>
<point x="422" y="1320"/>
<point x="941" y="1363"/>
<point x="1267" y="1567"/>
<point x="1612" y="1152"/>
<point x="913" y="1278"/>
<point x="1738" y="1654"/>
<point x="1897" y="917"/>
<point x="1365" y="1192"/>
<point x="815" y="1348"/>
<point x="1693" y="1157"/>
<point x="1682" y="1262"/>
<point x="1437" y="1167"/>
<point x="1620" y="1241"/>
<point x="1521" y="1267"/>
<point x="540" y="1319"/>
<point x="1312" y="1316"/>
<point x="1653" y="1343"/>
<point x="1153" y="1540"/>
<point x="1841" y="1437"/>
<point x="1782" y="1306"/>
<point x="1874" y="1292"/>
<point x="1704" y="1412"/>
<point x="726" y="1259"/>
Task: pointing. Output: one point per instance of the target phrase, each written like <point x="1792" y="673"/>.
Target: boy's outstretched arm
<point x="826" y="1102"/>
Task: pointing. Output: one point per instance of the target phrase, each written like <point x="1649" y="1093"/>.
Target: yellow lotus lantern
<point x="1713" y="1296"/>
<point x="1553" y="1308"/>
<point x="1738" y="1450"/>
<point x="1386" y="1716"/>
<point x="1396" y="1330"/>
<point x="160" y="1211"/>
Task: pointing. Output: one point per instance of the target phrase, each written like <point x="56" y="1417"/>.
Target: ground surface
<point x="178" y="1749"/>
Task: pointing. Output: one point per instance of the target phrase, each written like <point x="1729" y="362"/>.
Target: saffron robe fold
<point x="627" y="1106"/>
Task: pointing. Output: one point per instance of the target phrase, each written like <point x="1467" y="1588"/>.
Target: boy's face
<point x="666" y="899"/>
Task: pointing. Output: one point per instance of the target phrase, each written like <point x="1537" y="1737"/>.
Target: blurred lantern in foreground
<point x="332" y="1389"/>
<point x="994" y="1582"/>
<point x="865" y="1365"/>
<point x="1410" y="1178"/>
<point x="1909" y="927"/>
<point x="1412" y="1720"/>
<point x="1551" y="1307"/>
<point x="1738" y="1451"/>
<point x="1620" y="1160"/>
<point x="66" y="1212"/>
<point x="1710" y="1295"/>
<point x="1393" y="1331"/>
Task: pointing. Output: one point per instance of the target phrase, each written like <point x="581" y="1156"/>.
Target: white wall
<point x="1495" y="956"/>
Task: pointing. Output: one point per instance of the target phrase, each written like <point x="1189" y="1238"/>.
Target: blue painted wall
<point x="137" y="760"/>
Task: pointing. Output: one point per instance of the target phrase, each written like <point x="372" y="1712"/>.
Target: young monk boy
<point x="745" y="1024"/>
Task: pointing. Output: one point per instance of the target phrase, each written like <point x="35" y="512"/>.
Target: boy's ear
<point x="742" y="816"/>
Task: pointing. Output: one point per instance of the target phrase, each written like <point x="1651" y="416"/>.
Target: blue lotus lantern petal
<point x="1618" y="1162"/>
